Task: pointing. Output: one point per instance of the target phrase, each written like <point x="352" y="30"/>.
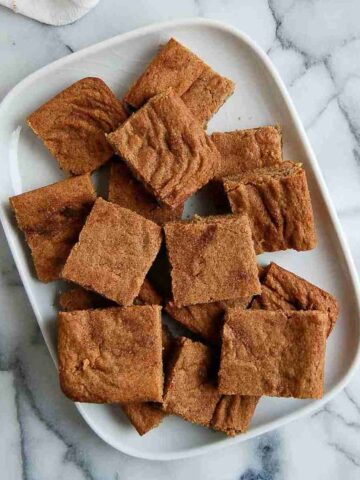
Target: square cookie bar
<point x="176" y="67"/>
<point x="111" y="355"/>
<point x="205" y="319"/>
<point x="244" y="150"/>
<point x="277" y="202"/>
<point x="212" y="259"/>
<point x="73" y="124"/>
<point x="233" y="414"/>
<point x="277" y="353"/>
<point x="166" y="149"/>
<point x="116" y="248"/>
<point x="283" y="290"/>
<point x="144" y="416"/>
<point x="51" y="218"/>
<point x="190" y="388"/>
<point x="128" y="192"/>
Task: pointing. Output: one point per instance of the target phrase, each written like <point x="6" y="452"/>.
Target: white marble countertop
<point x="315" y="44"/>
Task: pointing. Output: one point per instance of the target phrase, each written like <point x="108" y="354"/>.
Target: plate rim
<point x="350" y="266"/>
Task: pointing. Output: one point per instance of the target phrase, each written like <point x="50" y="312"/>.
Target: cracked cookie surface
<point x="72" y="125"/>
<point x="166" y="149"/>
<point x="277" y="202"/>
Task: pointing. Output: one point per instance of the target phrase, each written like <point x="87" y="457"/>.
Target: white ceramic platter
<point x="260" y="98"/>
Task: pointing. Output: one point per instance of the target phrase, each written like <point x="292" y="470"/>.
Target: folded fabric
<point x="52" y="12"/>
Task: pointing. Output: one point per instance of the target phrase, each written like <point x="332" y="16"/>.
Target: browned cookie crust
<point x="190" y="390"/>
<point x="51" y="218"/>
<point x="205" y="319"/>
<point x="277" y="353"/>
<point x="114" y="253"/>
<point x="77" y="298"/>
<point x="168" y="343"/>
<point x="176" y="67"/>
<point x="128" y="192"/>
<point x="146" y="416"/>
<point x="207" y="94"/>
<point x="166" y="149"/>
<point x="212" y="259"/>
<point x="233" y="414"/>
<point x="143" y="416"/>
<point x="244" y="150"/>
<point x="73" y="124"/>
<point x="112" y="355"/>
<point x="277" y="202"/>
<point x="148" y="295"/>
<point x="283" y="290"/>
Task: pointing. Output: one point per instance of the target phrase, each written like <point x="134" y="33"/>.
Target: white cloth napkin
<point x="53" y="12"/>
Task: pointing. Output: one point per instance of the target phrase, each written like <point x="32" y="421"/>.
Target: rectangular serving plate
<point x="260" y="98"/>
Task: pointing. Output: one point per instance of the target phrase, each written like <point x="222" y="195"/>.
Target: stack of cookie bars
<point x="248" y="330"/>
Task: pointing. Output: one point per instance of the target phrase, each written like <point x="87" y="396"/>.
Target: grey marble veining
<point x="315" y="45"/>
